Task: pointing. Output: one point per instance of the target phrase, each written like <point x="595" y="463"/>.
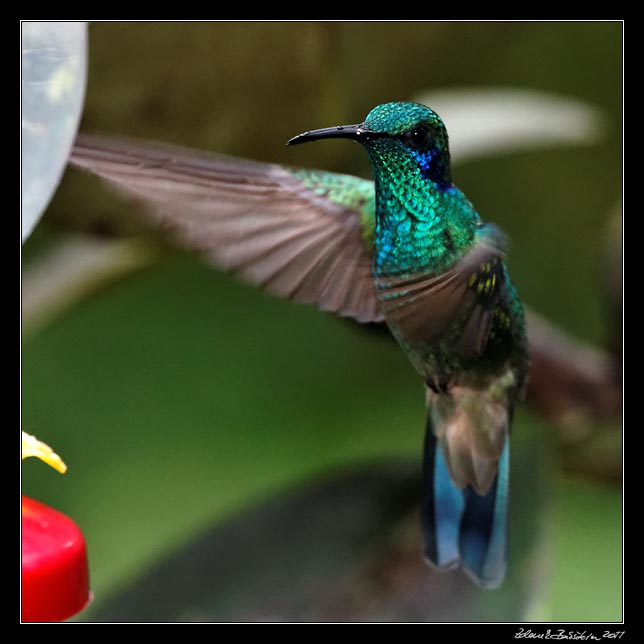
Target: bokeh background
<point x="205" y="423"/>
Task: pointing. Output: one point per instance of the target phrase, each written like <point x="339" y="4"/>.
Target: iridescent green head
<point x="408" y="135"/>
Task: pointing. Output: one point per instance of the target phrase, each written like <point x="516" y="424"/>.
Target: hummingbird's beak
<point x="356" y="132"/>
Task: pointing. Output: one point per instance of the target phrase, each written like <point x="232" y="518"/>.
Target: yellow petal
<point x="31" y="446"/>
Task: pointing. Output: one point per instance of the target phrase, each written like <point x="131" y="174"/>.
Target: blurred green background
<point x="179" y="397"/>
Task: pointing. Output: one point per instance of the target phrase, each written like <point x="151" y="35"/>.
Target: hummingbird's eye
<point x="418" y="137"/>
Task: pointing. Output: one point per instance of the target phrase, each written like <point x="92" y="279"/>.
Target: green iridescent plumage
<point x="346" y="191"/>
<point x="409" y="250"/>
<point x="422" y="225"/>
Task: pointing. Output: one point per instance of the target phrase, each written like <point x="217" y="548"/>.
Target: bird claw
<point x="438" y="386"/>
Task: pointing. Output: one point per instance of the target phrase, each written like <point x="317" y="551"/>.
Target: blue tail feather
<point x="461" y="528"/>
<point x="441" y="510"/>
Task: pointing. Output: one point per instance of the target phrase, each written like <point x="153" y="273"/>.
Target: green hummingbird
<point x="409" y="250"/>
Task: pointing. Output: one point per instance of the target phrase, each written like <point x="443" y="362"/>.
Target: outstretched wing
<point x="424" y="306"/>
<point x="296" y="233"/>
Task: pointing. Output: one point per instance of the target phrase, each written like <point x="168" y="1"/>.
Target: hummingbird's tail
<point x="462" y="528"/>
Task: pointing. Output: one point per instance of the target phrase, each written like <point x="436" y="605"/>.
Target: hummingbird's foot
<point x="438" y="386"/>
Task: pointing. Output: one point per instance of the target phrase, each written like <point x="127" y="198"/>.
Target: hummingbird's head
<point x="399" y="137"/>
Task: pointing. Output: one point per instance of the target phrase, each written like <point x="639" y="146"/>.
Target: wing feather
<point x="425" y="305"/>
<point x="287" y="231"/>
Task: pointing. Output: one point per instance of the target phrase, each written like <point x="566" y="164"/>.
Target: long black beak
<point x="356" y="132"/>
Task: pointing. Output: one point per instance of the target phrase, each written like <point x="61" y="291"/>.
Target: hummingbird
<point x="407" y="249"/>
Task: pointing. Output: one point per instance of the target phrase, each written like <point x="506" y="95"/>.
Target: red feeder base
<point x="55" y="577"/>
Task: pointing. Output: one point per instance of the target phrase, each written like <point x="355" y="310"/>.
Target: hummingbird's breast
<point x="418" y="239"/>
<point x="420" y="228"/>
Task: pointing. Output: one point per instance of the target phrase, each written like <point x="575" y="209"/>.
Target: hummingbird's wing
<point x="424" y="306"/>
<point x="296" y="233"/>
